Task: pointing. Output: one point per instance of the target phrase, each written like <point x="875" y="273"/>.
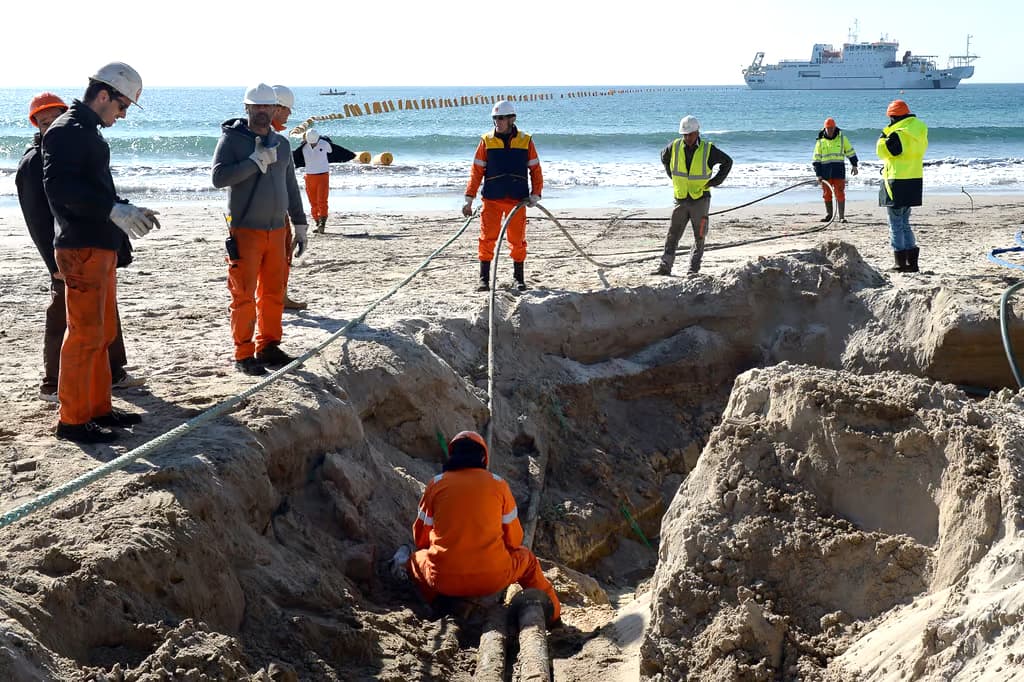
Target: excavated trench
<point x="259" y="553"/>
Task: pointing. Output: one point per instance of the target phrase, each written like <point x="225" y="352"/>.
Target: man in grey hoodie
<point x="255" y="164"/>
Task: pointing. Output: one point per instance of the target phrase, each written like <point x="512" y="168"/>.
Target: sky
<point x="462" y="43"/>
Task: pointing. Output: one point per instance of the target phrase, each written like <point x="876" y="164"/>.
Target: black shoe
<point x="89" y="432"/>
<point x="520" y="285"/>
<point x="250" y="366"/>
<point x="483" y="286"/>
<point x="663" y="271"/>
<point x="118" y="418"/>
<point x="272" y="356"/>
<point x="826" y="219"/>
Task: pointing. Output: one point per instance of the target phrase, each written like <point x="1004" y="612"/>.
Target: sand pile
<point x="845" y="527"/>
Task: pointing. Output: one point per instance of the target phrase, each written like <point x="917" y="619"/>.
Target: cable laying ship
<point x="859" y="66"/>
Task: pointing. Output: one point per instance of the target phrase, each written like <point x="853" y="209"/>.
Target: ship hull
<point x="820" y="77"/>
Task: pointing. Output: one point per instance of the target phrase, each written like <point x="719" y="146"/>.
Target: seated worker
<point x="467" y="532"/>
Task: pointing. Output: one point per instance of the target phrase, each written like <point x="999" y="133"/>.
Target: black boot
<point x="485" y="275"/>
<point x="519" y="276"/>
<point x="911" y="256"/>
<point x="842" y="211"/>
<point x="828" y="212"/>
<point x="901" y="261"/>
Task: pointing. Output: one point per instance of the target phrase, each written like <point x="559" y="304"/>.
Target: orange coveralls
<point x="469" y="539"/>
<point x="496" y="208"/>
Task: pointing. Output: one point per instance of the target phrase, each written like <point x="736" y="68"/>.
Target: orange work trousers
<point x="525" y="570"/>
<point x="317" y="189"/>
<point x="839" y="184"/>
<point x="83" y="381"/>
<point x="257" y="282"/>
<point x="493" y="213"/>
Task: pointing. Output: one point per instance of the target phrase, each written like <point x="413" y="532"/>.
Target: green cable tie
<point x="635" y="525"/>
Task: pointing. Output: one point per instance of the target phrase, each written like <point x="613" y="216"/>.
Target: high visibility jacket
<point x="690" y="181"/>
<point x="503" y="164"/>
<point x="468" y="521"/>
<point x="830" y="156"/>
<point x="903" y="173"/>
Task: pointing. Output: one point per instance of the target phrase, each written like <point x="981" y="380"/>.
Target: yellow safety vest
<point x="909" y="165"/>
<point x="690" y="182"/>
<point x="832" y="151"/>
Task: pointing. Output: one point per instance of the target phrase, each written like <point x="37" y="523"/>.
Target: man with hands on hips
<point x="92" y="225"/>
<point x="262" y="193"/>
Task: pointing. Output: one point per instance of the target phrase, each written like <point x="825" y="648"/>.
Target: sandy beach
<point x="368" y="406"/>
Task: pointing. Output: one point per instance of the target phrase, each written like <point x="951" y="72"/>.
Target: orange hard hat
<point x="830" y="122"/>
<point x="44" y="100"/>
<point x="471" y="436"/>
<point x="897" y="107"/>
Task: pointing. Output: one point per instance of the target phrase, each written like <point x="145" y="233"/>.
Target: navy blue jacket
<point x="78" y="183"/>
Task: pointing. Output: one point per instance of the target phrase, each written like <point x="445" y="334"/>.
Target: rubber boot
<point x="485" y="276"/>
<point x="911" y="257"/>
<point x="901" y="261"/>
<point x="519" y="276"/>
<point x="828" y="212"/>
<point x="842" y="211"/>
<point x="289" y="304"/>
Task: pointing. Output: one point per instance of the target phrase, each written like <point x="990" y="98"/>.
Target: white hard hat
<point x="312" y="136"/>
<point x="122" y="78"/>
<point x="285" y="97"/>
<point x="689" y="124"/>
<point x="503" y="108"/>
<point x="260" y="93"/>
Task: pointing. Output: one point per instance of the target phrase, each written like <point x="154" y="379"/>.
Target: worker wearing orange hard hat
<point x="469" y="542"/>
<point x="901" y="147"/>
<point x="831" y="150"/>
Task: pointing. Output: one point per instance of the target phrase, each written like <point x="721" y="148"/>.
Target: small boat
<point x="332" y="91"/>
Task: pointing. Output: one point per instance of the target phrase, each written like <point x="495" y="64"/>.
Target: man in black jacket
<point x="93" y="225"/>
<point x="43" y="111"/>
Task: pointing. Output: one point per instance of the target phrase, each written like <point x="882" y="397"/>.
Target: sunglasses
<point x="503" y="117"/>
<point x="122" y="105"/>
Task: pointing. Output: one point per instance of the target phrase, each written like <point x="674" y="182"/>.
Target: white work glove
<point x="467" y="208"/>
<point x="134" y="221"/>
<point x="299" y="241"/>
<point x="533" y="200"/>
<point x="263" y="156"/>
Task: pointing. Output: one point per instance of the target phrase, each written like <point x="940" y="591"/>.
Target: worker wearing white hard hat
<point x="279" y="121"/>
<point x="255" y="164"/>
<point x="507" y="164"/>
<point x="689" y="162"/>
<point x="315" y="154"/>
<point x="94" y="227"/>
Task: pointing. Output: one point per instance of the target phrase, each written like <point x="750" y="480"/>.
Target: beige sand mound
<point x="829" y="513"/>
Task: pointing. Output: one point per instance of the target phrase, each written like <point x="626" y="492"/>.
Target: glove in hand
<point x="467" y="208"/>
<point x="263" y="156"/>
<point x="533" y="200"/>
<point x="299" y="241"/>
<point x="132" y="220"/>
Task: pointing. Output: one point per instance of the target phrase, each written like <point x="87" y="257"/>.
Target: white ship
<point x="859" y="66"/>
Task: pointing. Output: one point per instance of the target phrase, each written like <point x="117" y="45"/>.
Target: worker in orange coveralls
<point x="503" y="159"/>
<point x="467" y="532"/>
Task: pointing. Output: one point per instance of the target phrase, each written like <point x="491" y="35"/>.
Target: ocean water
<point x="597" y="151"/>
